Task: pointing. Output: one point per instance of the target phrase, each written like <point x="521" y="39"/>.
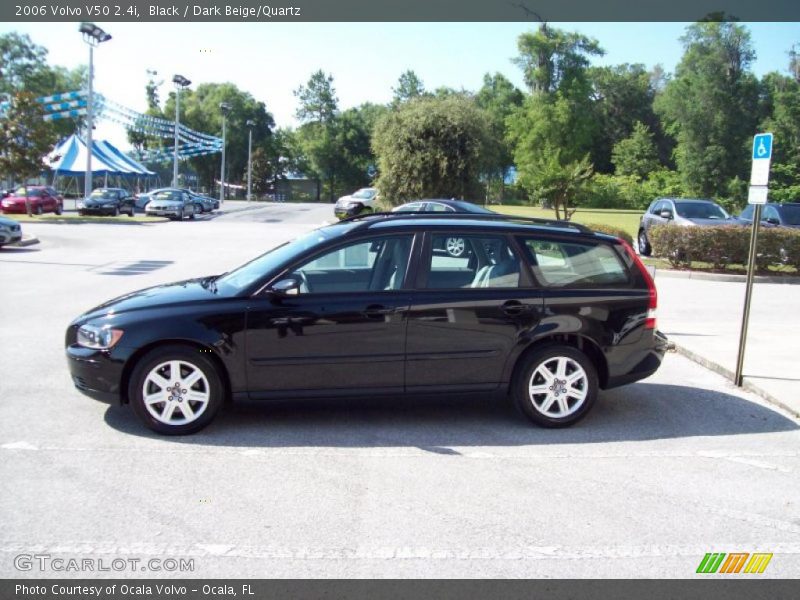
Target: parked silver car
<point x="173" y="203"/>
<point x="687" y="212"/>
<point x="10" y="231"/>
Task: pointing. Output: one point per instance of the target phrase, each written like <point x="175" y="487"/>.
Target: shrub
<point x="724" y="245"/>
<point x="611" y="230"/>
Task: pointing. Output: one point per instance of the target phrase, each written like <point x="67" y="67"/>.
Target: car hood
<point x="98" y="201"/>
<point x="7" y="222"/>
<point x="179" y="292"/>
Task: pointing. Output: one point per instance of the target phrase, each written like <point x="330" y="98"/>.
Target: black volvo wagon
<point x="546" y="311"/>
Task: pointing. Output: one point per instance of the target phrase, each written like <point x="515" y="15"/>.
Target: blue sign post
<point x="757" y="195"/>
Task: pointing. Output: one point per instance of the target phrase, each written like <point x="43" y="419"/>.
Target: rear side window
<point x="469" y="261"/>
<point x="575" y="264"/>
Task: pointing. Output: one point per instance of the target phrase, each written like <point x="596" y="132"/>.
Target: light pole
<point x="225" y="108"/>
<point x="93" y="36"/>
<point x="180" y="82"/>
<point x="250" y="124"/>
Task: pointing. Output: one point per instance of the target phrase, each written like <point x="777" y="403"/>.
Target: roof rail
<point x="469" y="216"/>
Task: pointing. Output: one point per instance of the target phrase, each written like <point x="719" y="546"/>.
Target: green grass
<point x="75" y="218"/>
<point x="627" y="220"/>
<point x="732" y="269"/>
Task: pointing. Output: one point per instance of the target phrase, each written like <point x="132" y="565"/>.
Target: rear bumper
<point x="644" y="361"/>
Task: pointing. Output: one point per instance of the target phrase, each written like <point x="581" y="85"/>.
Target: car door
<point x="468" y="313"/>
<point x="343" y="333"/>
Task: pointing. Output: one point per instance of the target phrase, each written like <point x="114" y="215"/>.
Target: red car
<point x="43" y="198"/>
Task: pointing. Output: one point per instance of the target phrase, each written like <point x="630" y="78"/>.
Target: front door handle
<point x="514" y="307"/>
<point x="377" y="311"/>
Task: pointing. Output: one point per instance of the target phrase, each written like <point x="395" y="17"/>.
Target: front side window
<point x="469" y="261"/>
<point x="700" y="210"/>
<point x="374" y="264"/>
<point x="575" y="264"/>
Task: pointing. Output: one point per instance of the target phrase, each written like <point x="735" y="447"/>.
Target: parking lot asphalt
<point x="705" y="318"/>
<point x="660" y="472"/>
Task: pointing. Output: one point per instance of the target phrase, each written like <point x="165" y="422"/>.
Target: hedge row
<point x="725" y="245"/>
<point x="610" y="230"/>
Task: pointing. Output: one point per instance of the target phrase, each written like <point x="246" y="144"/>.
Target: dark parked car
<point x="10" y="231"/>
<point x="359" y="202"/>
<point x="203" y="204"/>
<point x="368" y="306"/>
<point x="42" y="199"/>
<point x="774" y="214"/>
<point x="687" y="212"/>
<point x="171" y="202"/>
<point x="454" y="246"/>
<point x="108" y="201"/>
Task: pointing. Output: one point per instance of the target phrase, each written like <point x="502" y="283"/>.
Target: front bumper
<point x="343" y="212"/>
<point x="96" y="373"/>
<point x="10" y="237"/>
<point x="163" y="212"/>
<point x="97" y="210"/>
<point x="16" y="209"/>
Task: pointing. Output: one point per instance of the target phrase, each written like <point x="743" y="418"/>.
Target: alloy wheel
<point x="558" y="387"/>
<point x="176" y="392"/>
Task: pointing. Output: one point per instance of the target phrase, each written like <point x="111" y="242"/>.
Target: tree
<point x="553" y="59"/>
<point x="782" y="117"/>
<point x="25" y="138"/>
<point x="557" y="181"/>
<point x="317" y="99"/>
<point x="636" y="155"/>
<point x="623" y="95"/>
<point x="408" y="86"/>
<point x="710" y="106"/>
<point x="499" y="98"/>
<point x="200" y="111"/>
<point x="431" y="147"/>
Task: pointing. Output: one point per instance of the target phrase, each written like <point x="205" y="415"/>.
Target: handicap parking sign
<point x="762" y="146"/>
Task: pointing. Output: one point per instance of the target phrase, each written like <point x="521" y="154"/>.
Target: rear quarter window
<point x="575" y="264"/>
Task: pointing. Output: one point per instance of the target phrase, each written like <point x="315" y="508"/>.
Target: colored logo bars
<point x="736" y="562"/>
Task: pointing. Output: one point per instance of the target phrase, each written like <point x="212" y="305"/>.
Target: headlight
<point x="99" y="338"/>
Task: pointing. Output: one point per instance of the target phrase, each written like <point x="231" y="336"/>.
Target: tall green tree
<point x="782" y="117"/>
<point x="636" y="155"/>
<point x="623" y="95"/>
<point x="409" y="86"/>
<point x="710" y="106"/>
<point x="431" y="147"/>
<point x="25" y="138"/>
<point x="499" y="98"/>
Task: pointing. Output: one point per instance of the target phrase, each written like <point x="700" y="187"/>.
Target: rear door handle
<point x="377" y="311"/>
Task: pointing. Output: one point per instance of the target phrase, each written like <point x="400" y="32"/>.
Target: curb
<point x="789" y="280"/>
<point x="728" y="374"/>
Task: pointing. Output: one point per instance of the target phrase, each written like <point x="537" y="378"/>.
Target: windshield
<point x="172" y="196"/>
<point x="365" y="193"/>
<point x="33" y="193"/>
<point x="240" y="279"/>
<point x="700" y="210"/>
<point x="104" y="194"/>
<point x="791" y="214"/>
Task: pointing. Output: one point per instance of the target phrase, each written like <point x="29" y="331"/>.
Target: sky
<point x="270" y="60"/>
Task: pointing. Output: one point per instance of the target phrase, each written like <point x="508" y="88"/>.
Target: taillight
<point x="650" y="321"/>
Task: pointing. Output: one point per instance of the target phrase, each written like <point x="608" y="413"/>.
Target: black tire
<point x="643" y="243"/>
<point x="81" y="213"/>
<point x="115" y="212"/>
<point x="58" y="209"/>
<point x="38" y="210"/>
<point x="179" y="216"/>
<point x="131" y="212"/>
<point x="191" y="216"/>
<point x="187" y="356"/>
<point x="531" y="404"/>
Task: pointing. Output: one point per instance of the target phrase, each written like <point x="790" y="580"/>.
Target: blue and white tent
<point x="69" y="159"/>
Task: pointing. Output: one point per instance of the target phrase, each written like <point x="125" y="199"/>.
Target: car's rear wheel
<point x="39" y="210"/>
<point x="644" y="243"/>
<point x="175" y="390"/>
<point x="115" y="212"/>
<point x="555" y="386"/>
<point x="58" y="209"/>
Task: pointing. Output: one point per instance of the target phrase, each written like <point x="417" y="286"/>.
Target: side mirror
<point x="772" y="221"/>
<point x="666" y="214"/>
<point x="286" y="287"/>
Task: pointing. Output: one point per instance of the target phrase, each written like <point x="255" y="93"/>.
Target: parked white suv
<point x="364" y="200"/>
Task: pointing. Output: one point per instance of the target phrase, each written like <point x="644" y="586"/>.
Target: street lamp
<point x="93" y="36"/>
<point x="180" y="82"/>
<point x="225" y="108"/>
<point x="250" y="124"/>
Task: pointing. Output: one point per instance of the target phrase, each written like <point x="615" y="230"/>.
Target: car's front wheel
<point x="644" y="243"/>
<point x="455" y="246"/>
<point x="175" y="390"/>
<point x="58" y="209"/>
<point x="555" y="386"/>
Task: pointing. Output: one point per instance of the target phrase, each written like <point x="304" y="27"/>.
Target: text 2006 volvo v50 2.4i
<point x="548" y="312"/>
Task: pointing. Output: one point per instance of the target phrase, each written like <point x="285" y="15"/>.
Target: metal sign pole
<point x="757" y="195"/>
<point x="748" y="294"/>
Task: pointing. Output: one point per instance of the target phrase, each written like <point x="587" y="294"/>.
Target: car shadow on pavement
<point x="642" y="411"/>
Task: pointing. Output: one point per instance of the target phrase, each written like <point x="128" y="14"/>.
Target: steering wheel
<point x="305" y="288"/>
